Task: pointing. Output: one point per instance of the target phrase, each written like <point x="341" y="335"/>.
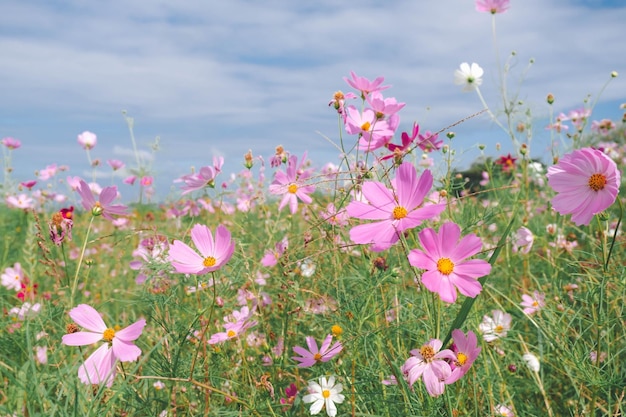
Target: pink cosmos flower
<point x="146" y="181"/>
<point x="533" y="304"/>
<point x="115" y="164"/>
<point x="430" y="364"/>
<point x="364" y="85"/>
<point x="492" y="6"/>
<point x="100" y="366"/>
<point x="28" y="184"/>
<point x="103" y="206"/>
<point x="87" y="140"/>
<point x="292" y="185"/>
<point x="503" y="410"/>
<point x="12" y="278"/>
<point x="314" y="355"/>
<point x="48" y="172"/>
<point x="444" y="257"/>
<point x="374" y="132"/>
<point x="397" y="210"/>
<point x="383" y="106"/>
<point x="587" y="182"/>
<point x="524" y="239"/>
<point x="21" y="201"/>
<point x="11" y="143"/>
<point x="213" y="253"/>
<point x="495" y="326"/>
<point x="205" y="177"/>
<point x="130" y="180"/>
<point x="271" y="257"/>
<point x="466" y="350"/>
<point x="151" y="250"/>
<point x="236" y="324"/>
<point x="333" y="216"/>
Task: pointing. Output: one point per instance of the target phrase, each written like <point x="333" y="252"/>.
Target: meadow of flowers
<point x="382" y="284"/>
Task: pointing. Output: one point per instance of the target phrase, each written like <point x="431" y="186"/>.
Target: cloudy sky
<point x="218" y="78"/>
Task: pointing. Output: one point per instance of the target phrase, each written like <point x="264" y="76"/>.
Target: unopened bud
<point x="550" y="98"/>
<point x="523" y="149"/>
<point x="450" y="135"/>
<point x="614" y="74"/>
<point x="481" y="146"/>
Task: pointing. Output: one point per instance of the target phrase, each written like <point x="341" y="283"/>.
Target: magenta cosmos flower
<point x="291" y="185"/>
<point x="466" y="350"/>
<point x="397" y="210"/>
<point x="100" y="366"/>
<point x="314" y="355"/>
<point x="103" y="206"/>
<point x="444" y="259"/>
<point x="11" y="143"/>
<point x="214" y="253"/>
<point x="587" y="182"/>
<point x="492" y="6"/>
<point x="430" y="364"/>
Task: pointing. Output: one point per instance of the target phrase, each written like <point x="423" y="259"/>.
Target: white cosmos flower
<point x="324" y="393"/>
<point x="469" y="76"/>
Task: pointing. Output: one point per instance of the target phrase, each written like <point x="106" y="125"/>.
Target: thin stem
<point x="80" y="261"/>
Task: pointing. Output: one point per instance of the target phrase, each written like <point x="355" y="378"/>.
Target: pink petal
<point x="86" y="316"/>
<point x="185" y="259"/>
<point x="81" y="338"/>
<point x="203" y="239"/>
<point x="132" y="332"/>
<point x="99" y="367"/>
<point x="125" y="351"/>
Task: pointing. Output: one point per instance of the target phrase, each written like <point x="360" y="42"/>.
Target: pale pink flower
<point x="492" y="6"/>
<point x="103" y="206"/>
<point x="11" y="143"/>
<point x="383" y="106"/>
<point x="214" y="253"/>
<point x="533" y="304"/>
<point x="429" y="364"/>
<point x="314" y="355"/>
<point x="236" y="324"/>
<point x="271" y="257"/>
<point x="21" y="201"/>
<point x="48" y="172"/>
<point x="100" y="366"/>
<point x="444" y="259"/>
<point x="205" y="177"/>
<point x="496" y="326"/>
<point x="524" y="239"/>
<point x="13" y="277"/>
<point x="146" y="181"/>
<point x="587" y="182"/>
<point x="292" y="185"/>
<point x="130" y="180"/>
<point x="466" y="350"/>
<point x="25" y="311"/>
<point x="333" y="216"/>
<point x="504" y="411"/>
<point x="396" y="210"/>
<point x="150" y="251"/>
<point x="115" y="164"/>
<point x="87" y="140"/>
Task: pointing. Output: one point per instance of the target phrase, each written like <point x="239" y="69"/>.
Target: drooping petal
<point x="99" y="367"/>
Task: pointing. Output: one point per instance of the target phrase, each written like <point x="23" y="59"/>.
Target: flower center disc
<point x="209" y="261"/>
<point x="445" y="266"/>
<point x="325" y="393"/>
<point x="597" y="182"/>
<point x="292" y="188"/>
<point x="108" y="334"/>
<point x="427" y="352"/>
<point x="399" y="213"/>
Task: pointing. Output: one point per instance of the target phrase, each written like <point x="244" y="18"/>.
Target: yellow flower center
<point x="535" y="303"/>
<point x="336" y="330"/>
<point x="399" y="212"/>
<point x="325" y="393"/>
<point x="597" y="182"/>
<point x="317" y="356"/>
<point x="231" y="333"/>
<point x="461" y="358"/>
<point x="292" y="188"/>
<point x="445" y="266"/>
<point x="499" y="328"/>
<point x="427" y="352"/>
<point x="209" y="261"/>
<point x="108" y="334"/>
<point x="366" y="126"/>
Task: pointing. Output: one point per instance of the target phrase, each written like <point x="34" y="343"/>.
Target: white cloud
<point x="239" y="74"/>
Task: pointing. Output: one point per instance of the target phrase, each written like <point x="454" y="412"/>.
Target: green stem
<point x="80" y="261"/>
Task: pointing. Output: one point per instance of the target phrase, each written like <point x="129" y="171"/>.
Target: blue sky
<point x="219" y="78"/>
